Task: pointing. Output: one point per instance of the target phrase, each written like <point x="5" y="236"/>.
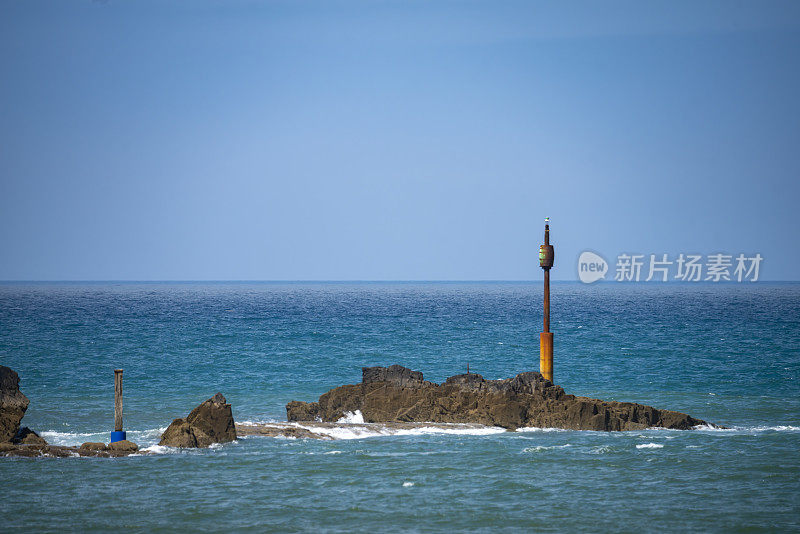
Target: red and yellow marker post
<point x="546" y="256"/>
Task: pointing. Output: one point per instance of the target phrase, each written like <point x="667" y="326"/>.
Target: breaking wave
<point x="160" y="449"/>
<point x="541" y="448"/>
<point x="144" y="438"/>
<point x="352" y="426"/>
<point x="748" y="429"/>
<point x="357" y="431"/>
<point x="543" y="429"/>
<point x="352" y="417"/>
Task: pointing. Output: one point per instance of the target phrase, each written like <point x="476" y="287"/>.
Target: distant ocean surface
<point x="729" y="354"/>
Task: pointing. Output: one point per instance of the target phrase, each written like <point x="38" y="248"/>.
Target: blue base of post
<point x="117" y="436"/>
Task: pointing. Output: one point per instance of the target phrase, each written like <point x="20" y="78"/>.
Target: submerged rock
<point x="61" y="451"/>
<point x="398" y="394"/>
<point x="211" y="422"/>
<point x="12" y="404"/>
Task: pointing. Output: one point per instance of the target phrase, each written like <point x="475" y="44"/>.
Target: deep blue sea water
<point x="729" y="354"/>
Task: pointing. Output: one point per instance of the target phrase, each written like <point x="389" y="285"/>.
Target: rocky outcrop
<point x="397" y="394"/>
<point x="123" y="446"/>
<point x="396" y="374"/>
<point x="33" y="446"/>
<point x="211" y="422"/>
<point x="60" y="451"/>
<point x="12" y="404"/>
<point x="26" y="436"/>
<point x="94" y="446"/>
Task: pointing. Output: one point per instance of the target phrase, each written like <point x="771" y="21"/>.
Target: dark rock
<point x="394" y="374"/>
<point x="397" y="394"/>
<point x="12" y="404"/>
<point x="26" y="436"/>
<point x="303" y="411"/>
<point x="123" y="445"/>
<point x="94" y="446"/>
<point x="179" y="434"/>
<point x="211" y="422"/>
<point x="59" y="451"/>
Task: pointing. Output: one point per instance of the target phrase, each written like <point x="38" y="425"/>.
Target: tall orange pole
<point x="546" y="256"/>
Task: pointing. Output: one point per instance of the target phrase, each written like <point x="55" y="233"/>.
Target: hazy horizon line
<point x="378" y="281"/>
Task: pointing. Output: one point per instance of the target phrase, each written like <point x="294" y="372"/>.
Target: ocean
<point x="726" y="353"/>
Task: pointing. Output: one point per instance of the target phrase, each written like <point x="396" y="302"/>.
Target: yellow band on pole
<point x="546" y="355"/>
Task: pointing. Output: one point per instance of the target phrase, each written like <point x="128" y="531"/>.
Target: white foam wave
<point x="542" y="429"/>
<point x="352" y="417"/>
<point x="355" y="431"/>
<point x="541" y="448"/>
<point x="748" y="429"/>
<point x="146" y="437"/>
<point x="72" y="438"/>
<point x="351" y="426"/>
<point x="650" y="446"/>
<point x="160" y="449"/>
<point x="407" y="484"/>
<point x="709" y="428"/>
<point x="779" y="428"/>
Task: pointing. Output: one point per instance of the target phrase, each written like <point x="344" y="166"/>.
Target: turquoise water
<point x="725" y="353"/>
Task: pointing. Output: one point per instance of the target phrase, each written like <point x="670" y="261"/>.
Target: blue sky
<point x="386" y="140"/>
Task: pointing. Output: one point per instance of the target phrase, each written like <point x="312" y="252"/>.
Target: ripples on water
<point x="727" y="354"/>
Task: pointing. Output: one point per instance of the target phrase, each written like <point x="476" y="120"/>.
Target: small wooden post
<point x="118" y="400"/>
